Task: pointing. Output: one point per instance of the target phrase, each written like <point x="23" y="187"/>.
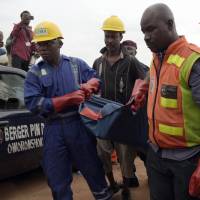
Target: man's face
<point x="156" y="33"/>
<point x="112" y="40"/>
<point x="26" y="18"/>
<point x="131" y="49"/>
<point x="49" y="49"/>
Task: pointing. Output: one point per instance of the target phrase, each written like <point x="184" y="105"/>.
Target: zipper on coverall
<point x="161" y="56"/>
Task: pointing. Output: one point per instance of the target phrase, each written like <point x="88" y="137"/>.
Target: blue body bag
<point x="114" y="121"/>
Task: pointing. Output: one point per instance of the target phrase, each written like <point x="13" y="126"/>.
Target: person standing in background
<point x="22" y="47"/>
<point x="131" y="48"/>
<point x="3" y="56"/>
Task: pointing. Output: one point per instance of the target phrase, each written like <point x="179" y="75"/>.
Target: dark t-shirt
<point x="118" y="80"/>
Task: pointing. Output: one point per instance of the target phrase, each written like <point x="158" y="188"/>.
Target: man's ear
<point x="170" y="24"/>
<point x="60" y="43"/>
<point x="121" y="36"/>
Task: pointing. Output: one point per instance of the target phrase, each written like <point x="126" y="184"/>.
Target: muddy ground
<point x="32" y="186"/>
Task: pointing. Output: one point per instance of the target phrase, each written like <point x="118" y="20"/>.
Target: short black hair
<point x="23" y="12"/>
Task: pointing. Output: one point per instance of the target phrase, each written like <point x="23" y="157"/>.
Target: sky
<point x="80" y="21"/>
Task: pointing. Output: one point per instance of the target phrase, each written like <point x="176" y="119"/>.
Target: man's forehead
<point x="26" y="14"/>
<point x="111" y="33"/>
<point x="148" y="21"/>
<point x="129" y="46"/>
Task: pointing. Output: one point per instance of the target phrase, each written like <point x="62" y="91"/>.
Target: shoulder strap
<point x="75" y="70"/>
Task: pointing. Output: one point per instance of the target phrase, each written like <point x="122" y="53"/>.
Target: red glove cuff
<point x="139" y="93"/>
<point x="194" y="185"/>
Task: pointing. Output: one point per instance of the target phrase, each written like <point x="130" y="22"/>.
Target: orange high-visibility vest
<point x="174" y="118"/>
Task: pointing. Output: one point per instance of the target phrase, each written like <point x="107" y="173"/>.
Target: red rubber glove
<point x="92" y="86"/>
<point x="194" y="185"/>
<point x="139" y="93"/>
<point x="74" y="98"/>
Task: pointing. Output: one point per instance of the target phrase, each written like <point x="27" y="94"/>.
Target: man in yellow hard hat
<point x="118" y="72"/>
<point x="54" y="89"/>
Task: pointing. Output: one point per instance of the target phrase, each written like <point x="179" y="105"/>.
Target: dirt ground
<point x="32" y="186"/>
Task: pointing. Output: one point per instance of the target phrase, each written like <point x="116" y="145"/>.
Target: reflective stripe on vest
<point x="176" y="60"/>
<point x="171" y="130"/>
<point x="168" y="103"/>
<point x="186" y="69"/>
<point x="191" y="111"/>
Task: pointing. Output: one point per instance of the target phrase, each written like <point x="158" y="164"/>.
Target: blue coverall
<point x="65" y="139"/>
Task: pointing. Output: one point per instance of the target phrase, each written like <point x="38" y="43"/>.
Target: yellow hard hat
<point x="45" y="31"/>
<point x="113" y="23"/>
